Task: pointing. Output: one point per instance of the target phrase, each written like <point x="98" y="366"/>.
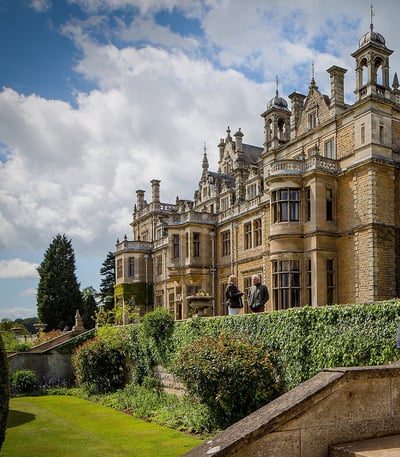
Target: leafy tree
<point x="28" y="323"/>
<point x="89" y="307"/>
<point x="58" y="294"/>
<point x="107" y="282"/>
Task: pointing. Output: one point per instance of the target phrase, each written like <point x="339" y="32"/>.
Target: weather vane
<point x="372" y="15"/>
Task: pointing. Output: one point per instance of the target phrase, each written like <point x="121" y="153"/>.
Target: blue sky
<point x="97" y="98"/>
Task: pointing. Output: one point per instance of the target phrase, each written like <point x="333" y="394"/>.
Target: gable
<point x="315" y="112"/>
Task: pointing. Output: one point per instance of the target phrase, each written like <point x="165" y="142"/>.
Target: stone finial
<point x="78" y="322"/>
<point x="395" y="82"/>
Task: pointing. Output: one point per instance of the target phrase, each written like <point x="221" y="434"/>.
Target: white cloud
<point x="41" y="6"/>
<point x="158" y="98"/>
<point x="17" y="269"/>
<point x="17" y="313"/>
<point x="31" y="292"/>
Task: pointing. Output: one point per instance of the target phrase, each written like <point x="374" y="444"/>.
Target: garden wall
<point x="48" y="365"/>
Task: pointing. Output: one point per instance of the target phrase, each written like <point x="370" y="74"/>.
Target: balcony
<point x="299" y="166"/>
<point x="126" y="245"/>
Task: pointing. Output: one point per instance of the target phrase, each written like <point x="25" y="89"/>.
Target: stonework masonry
<point x="317" y="418"/>
<point x="314" y="210"/>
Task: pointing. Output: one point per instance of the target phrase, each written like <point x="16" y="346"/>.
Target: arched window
<point x="378" y="71"/>
<point x="364" y="72"/>
<point x="268" y="131"/>
<point x="281" y="129"/>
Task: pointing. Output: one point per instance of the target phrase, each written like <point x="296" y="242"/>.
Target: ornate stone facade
<point x="315" y="211"/>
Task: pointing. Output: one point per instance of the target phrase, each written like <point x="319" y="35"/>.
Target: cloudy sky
<point x="98" y="97"/>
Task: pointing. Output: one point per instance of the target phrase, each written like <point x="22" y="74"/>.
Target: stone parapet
<point x="336" y="406"/>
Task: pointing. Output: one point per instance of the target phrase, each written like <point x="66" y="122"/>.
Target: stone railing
<point x="133" y="246"/>
<point x="297" y="166"/>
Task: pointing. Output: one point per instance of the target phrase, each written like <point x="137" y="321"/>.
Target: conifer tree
<point x="58" y="295"/>
<point x="89" y="307"/>
<point x="107" y="282"/>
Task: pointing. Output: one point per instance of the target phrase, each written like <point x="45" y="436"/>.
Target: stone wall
<point x="48" y="365"/>
<point x="336" y="406"/>
<point x="169" y="384"/>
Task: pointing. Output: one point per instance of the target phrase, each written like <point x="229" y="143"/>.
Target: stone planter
<point x="200" y="304"/>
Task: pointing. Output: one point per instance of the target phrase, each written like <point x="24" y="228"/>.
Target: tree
<point x="108" y="281"/>
<point x="58" y="295"/>
<point x="89" y="307"/>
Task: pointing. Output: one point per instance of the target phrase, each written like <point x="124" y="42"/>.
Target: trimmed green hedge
<point x="307" y="340"/>
<point x="299" y="342"/>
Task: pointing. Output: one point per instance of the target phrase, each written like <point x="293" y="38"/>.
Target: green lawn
<point x="64" y="426"/>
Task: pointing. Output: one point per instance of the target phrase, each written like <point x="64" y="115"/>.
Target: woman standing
<point x="233" y="296"/>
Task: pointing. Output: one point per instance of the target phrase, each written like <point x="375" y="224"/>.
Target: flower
<point x="201" y="293"/>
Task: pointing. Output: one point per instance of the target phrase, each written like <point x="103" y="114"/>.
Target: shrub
<point x="100" y="366"/>
<point x="12" y="344"/>
<point x="231" y="376"/>
<point x="164" y="409"/>
<point x="24" y="382"/>
<point x="4" y="392"/>
<point x="156" y="330"/>
<point x="158" y="324"/>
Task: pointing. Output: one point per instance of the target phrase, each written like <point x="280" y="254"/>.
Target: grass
<point x="64" y="426"/>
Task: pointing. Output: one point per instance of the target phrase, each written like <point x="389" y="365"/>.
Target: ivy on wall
<point x="141" y="292"/>
<point x="307" y="340"/>
<point x="300" y="341"/>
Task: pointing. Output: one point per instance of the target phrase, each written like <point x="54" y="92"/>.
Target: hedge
<point x="307" y="340"/>
<point x="300" y="342"/>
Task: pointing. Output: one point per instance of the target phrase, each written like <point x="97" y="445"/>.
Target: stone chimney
<point x="140" y="199"/>
<point x="337" y="88"/>
<point x="155" y="192"/>
<point x="239" y="140"/>
<point x="297" y="105"/>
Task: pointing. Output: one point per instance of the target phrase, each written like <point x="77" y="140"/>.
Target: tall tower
<point x="372" y="65"/>
<point x="277" y="122"/>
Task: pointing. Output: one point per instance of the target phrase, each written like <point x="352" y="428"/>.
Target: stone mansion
<point x="315" y="211"/>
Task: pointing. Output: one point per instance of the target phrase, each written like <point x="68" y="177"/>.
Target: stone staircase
<point x="55" y="342"/>
<point x="386" y="446"/>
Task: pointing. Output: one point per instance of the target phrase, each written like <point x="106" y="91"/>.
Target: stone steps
<point x="386" y="446"/>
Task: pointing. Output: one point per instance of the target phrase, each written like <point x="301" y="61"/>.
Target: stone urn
<point x="200" y="304"/>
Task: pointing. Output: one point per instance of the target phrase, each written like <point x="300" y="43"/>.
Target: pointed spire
<point x="205" y="159"/>
<point x="395" y="82"/>
<point x="312" y="85"/>
<point x="228" y="134"/>
<point x="277" y="85"/>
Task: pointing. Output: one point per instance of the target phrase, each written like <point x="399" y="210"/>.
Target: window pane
<point x="284" y="212"/>
<point x="294" y="211"/>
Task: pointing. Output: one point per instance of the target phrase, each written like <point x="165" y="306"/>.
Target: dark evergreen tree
<point x="58" y="294"/>
<point x="107" y="282"/>
<point x="89" y="307"/>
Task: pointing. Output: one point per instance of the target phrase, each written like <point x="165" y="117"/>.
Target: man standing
<point x="258" y="295"/>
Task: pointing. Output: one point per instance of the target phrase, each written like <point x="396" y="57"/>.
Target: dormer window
<point x="312" y="120"/>
<point x="224" y="203"/>
<point x="251" y="191"/>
